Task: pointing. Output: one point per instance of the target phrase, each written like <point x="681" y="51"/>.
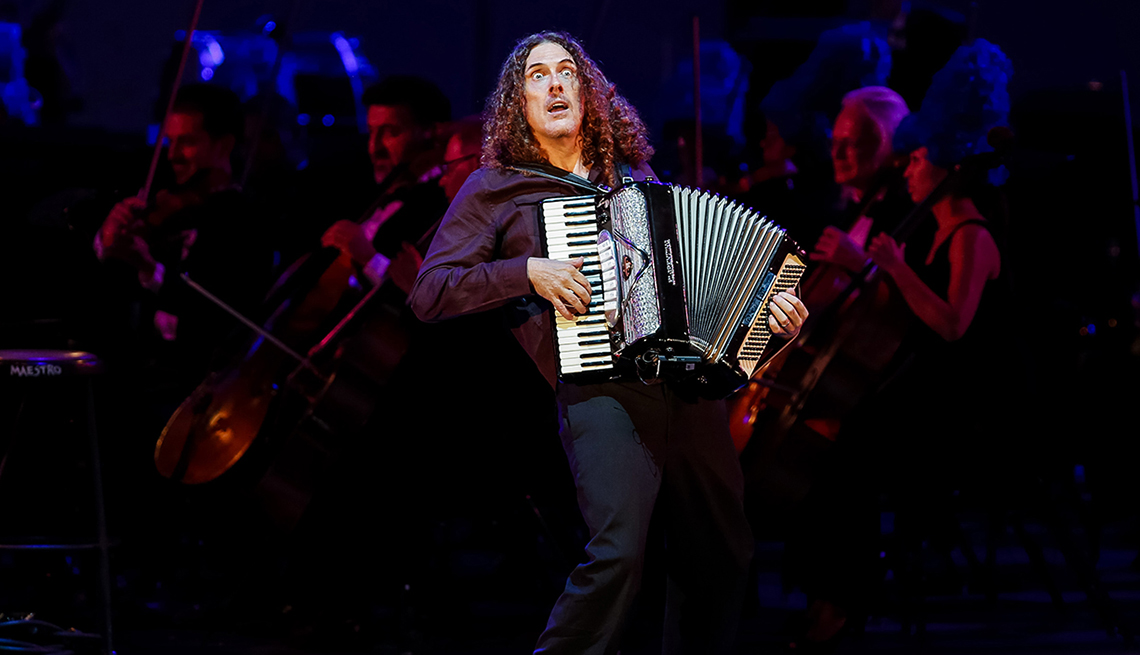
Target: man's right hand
<point x="836" y="247"/>
<point x="120" y="222"/>
<point x="561" y="283"/>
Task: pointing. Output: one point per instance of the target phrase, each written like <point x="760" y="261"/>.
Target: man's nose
<point x="377" y="146"/>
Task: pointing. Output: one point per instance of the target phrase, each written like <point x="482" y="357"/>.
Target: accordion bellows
<point x="684" y="276"/>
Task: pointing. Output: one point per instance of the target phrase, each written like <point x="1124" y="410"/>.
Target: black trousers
<point x="632" y="447"/>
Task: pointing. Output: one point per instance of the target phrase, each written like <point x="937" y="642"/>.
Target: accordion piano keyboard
<point x="571" y="231"/>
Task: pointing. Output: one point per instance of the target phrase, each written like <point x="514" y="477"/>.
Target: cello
<point x="841" y="354"/>
<point x="772" y="387"/>
<point x="307" y="376"/>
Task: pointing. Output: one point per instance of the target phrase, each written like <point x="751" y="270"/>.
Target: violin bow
<point x="144" y="192"/>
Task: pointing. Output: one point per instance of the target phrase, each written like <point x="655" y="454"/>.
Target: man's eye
<point x="537" y="76"/>
<point x="567" y="73"/>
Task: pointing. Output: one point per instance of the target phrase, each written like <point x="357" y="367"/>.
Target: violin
<point x="169" y="202"/>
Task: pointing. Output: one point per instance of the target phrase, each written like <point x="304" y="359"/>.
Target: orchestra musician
<point x="865" y="163"/>
<point x="630" y="444"/>
<point x="870" y="177"/>
<point x="799" y="112"/>
<point x="406" y="120"/>
<point x="412" y="446"/>
<point x="201" y="225"/>
<point x="924" y="426"/>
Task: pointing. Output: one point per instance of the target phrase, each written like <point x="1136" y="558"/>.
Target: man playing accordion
<point x="630" y="445"/>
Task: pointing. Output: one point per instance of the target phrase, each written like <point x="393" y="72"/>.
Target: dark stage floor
<point x="1055" y="572"/>
<point x="196" y="597"/>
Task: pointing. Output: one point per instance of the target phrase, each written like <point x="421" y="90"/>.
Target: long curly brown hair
<point x="611" y="129"/>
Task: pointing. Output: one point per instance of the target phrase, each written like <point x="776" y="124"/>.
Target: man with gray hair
<point x="869" y="173"/>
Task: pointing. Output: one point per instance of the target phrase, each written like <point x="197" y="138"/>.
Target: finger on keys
<point x="584" y="283"/>
<point x="576" y="302"/>
<point x="560" y="307"/>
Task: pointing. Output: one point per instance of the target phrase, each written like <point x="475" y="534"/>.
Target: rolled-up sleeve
<point x="462" y="272"/>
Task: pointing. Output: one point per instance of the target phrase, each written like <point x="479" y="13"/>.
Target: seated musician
<point x="869" y="174"/>
<point x="923" y="429"/>
<point x="628" y="443"/>
<point x="799" y="111"/>
<point x="411" y="452"/>
<point x="460" y="159"/>
<point x="406" y="119"/>
<point x="200" y="225"/>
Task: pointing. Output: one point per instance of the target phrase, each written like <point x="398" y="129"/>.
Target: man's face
<point x="553" y="103"/>
<point x="192" y="149"/>
<point x="393" y="138"/>
<point x="460" y="162"/>
<point x="857" y="148"/>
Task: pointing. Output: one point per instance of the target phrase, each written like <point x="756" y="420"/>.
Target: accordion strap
<point x="558" y="175"/>
<point x="625" y="172"/>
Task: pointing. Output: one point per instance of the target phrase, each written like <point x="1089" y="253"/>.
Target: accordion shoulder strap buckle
<point x="626" y="173"/>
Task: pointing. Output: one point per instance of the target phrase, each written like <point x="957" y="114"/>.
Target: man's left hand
<point x="132" y="249"/>
<point x="349" y="238"/>
<point x="787" y="315"/>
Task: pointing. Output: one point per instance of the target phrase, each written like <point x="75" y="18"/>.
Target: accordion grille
<point x="726" y="253"/>
<point x="633" y="248"/>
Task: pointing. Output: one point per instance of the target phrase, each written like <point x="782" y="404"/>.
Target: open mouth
<point x="557" y="107"/>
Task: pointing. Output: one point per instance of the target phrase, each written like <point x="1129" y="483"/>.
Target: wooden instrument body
<point x="790" y="413"/>
<point x="788" y="417"/>
<point x="811" y="353"/>
<point x="277" y="421"/>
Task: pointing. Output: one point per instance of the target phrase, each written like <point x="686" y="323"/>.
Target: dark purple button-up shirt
<point x="477" y="260"/>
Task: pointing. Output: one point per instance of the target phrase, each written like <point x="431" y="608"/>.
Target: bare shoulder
<point x="975" y="243"/>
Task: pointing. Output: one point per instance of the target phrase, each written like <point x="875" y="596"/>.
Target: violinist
<point x="924" y="428"/>
<point x="201" y="225"/>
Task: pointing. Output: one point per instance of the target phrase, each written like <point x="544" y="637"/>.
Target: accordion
<point x="685" y="279"/>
